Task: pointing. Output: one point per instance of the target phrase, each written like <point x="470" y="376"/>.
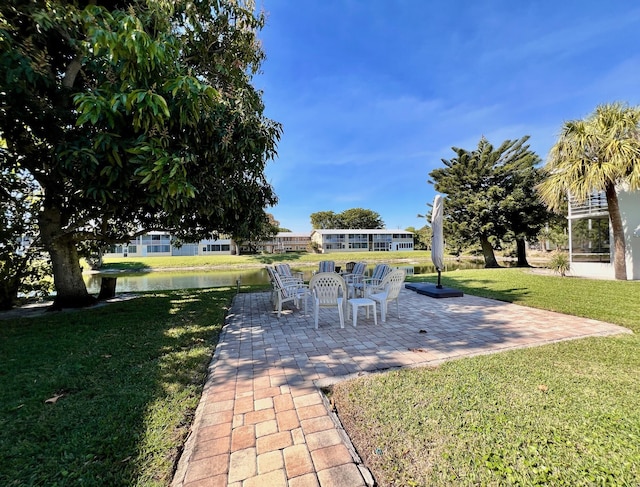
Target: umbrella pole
<point x="439" y="286"/>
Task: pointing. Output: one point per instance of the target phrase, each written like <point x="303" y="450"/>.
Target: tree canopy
<point x="134" y="116"/>
<point x="490" y="196"/>
<point x="598" y="153"/>
<point x="421" y="237"/>
<point x="356" y="218"/>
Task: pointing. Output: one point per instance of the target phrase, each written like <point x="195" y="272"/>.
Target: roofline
<point x="360" y="230"/>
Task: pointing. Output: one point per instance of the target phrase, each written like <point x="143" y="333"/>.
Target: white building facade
<point x="591" y="247"/>
<point x="161" y="244"/>
<point x="341" y="240"/>
<point x="287" y="242"/>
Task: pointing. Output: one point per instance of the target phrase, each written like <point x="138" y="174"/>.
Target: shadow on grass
<point x="131" y="266"/>
<point x="277" y="258"/>
<point x="123" y="381"/>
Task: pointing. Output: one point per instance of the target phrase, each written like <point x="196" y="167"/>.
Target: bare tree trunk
<point x="71" y="291"/>
<point x="521" y="249"/>
<point x="490" y="261"/>
<point x="619" y="247"/>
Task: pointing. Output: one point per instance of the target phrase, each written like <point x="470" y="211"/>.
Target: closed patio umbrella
<point x="437" y="238"/>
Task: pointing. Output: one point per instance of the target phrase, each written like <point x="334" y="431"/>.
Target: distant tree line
<point x="349" y="219"/>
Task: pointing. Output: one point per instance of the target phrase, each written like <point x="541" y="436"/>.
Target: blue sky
<point x="372" y="94"/>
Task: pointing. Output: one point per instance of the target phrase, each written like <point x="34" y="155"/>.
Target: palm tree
<point x="599" y="153"/>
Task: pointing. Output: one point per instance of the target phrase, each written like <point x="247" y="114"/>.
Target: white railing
<point x="595" y="205"/>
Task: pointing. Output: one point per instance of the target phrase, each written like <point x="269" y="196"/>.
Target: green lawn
<point x="563" y="414"/>
<point x="294" y="258"/>
<point x="127" y="378"/>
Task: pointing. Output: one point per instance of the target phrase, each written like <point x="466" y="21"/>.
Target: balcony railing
<point x="596" y="205"/>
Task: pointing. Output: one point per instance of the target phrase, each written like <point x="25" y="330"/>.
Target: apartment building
<point x="341" y="240"/>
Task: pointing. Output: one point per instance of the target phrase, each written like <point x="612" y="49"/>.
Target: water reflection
<point x="162" y="281"/>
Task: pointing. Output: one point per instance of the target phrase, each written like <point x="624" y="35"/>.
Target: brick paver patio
<point x="262" y="420"/>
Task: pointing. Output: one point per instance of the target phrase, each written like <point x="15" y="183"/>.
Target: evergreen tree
<point x="490" y="196"/>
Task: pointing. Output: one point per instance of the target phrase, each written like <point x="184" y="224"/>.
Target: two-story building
<point x="159" y="244"/>
<point x="287" y="242"/>
<point x="342" y="240"/>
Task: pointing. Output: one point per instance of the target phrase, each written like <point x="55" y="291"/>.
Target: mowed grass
<point x="300" y="259"/>
<point x="562" y="414"/>
<point x="105" y="396"/>
<point x="611" y="301"/>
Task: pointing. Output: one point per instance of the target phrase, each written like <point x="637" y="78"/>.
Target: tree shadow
<point x="277" y="258"/>
<point x="130" y="266"/>
<point x="110" y="366"/>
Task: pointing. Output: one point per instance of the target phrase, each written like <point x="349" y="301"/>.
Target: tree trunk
<point x="521" y="248"/>
<point x="490" y="261"/>
<point x="8" y="293"/>
<point x="619" y="247"/>
<point x="71" y="291"/>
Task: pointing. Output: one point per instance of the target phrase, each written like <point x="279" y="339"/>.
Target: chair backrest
<point x="271" y="271"/>
<point x="326" y="266"/>
<point x="380" y="271"/>
<point x="278" y="285"/>
<point x="392" y="283"/>
<point x="359" y="269"/>
<point x="327" y="287"/>
<point x="284" y="270"/>
<point x="348" y="267"/>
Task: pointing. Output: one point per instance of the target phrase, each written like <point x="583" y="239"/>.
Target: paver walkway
<point x="262" y="420"/>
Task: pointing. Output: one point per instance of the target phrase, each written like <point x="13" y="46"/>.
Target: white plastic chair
<point x="328" y="290"/>
<point x="388" y="290"/>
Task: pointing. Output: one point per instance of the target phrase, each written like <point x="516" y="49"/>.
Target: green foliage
<point x="601" y="150"/>
<point x="138" y="117"/>
<point x="421" y="237"/>
<point x="23" y="268"/>
<point x="490" y="195"/>
<point x="560" y="263"/>
<point x="555" y="234"/>
<point x="127" y="378"/>
<point x="349" y="219"/>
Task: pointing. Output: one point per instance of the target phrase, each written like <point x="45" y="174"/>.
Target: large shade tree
<point x="133" y="116"/>
<point x="490" y="197"/>
<point x="598" y="153"/>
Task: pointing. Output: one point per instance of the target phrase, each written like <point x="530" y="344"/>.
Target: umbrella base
<point x="432" y="291"/>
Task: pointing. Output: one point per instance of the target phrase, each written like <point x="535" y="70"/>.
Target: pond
<point x="166" y="280"/>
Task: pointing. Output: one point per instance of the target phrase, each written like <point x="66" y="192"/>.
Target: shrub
<point x="559" y="263"/>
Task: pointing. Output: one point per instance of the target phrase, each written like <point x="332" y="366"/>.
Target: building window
<point x="590" y="240"/>
<point x="158" y="249"/>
